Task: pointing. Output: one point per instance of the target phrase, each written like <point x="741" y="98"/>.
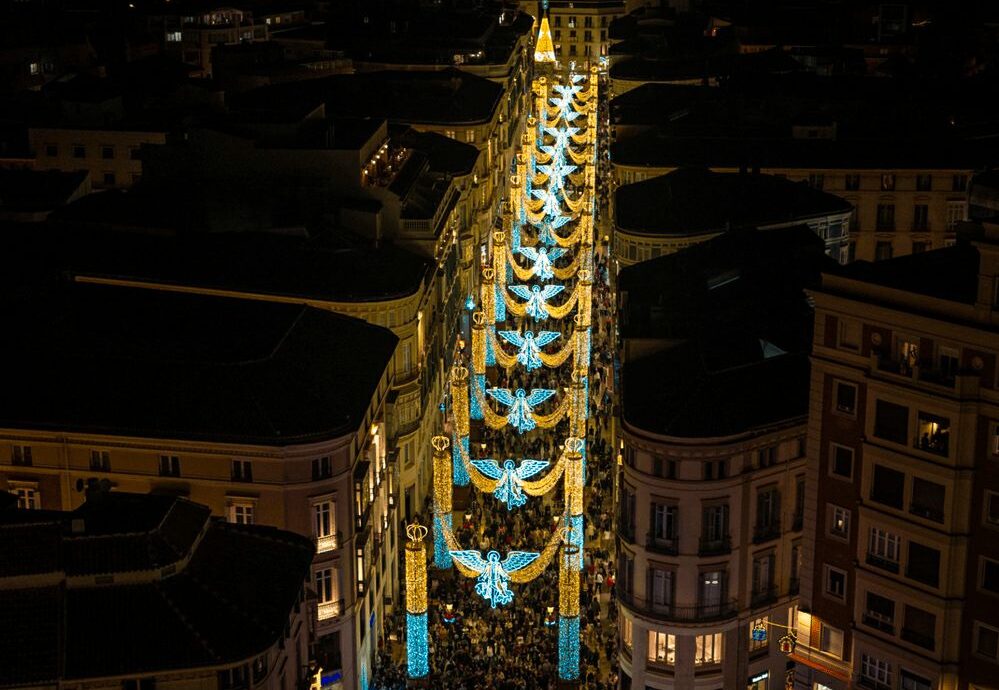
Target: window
<point x="233" y="678"/>
<point x="920" y="247"/>
<point x="923" y="565"/>
<point x="627" y="517"/>
<point x="767" y="457"/>
<point x="28" y="497"/>
<point x="79" y="151"/>
<point x="664" y="467"/>
<point x="324" y="523"/>
<point x="664" y="522"/>
<point x="924" y="183"/>
<point x="107" y="152"/>
<point x="875" y="671"/>
<point x="959" y="183"/>
<point x="888" y="182"/>
<point x="919" y="627"/>
<point x="20" y="456"/>
<point x="662" y="648"/>
<point x="879" y="613"/>
<point x="767" y="511"/>
<point x="714" y="469"/>
<point x="100" y="461"/>
<point x="948" y="362"/>
<point x="133" y="152"/>
<point x="992" y="508"/>
<point x="708" y="649"/>
<point x="626" y="632"/>
<point x="957" y="211"/>
<point x="558" y="20"/>
<point x="242" y="471"/>
<point x="846" y="398"/>
<point x="322" y="468"/>
<point x="169" y="466"/>
<point x="662" y="586"/>
<point x="816" y="181"/>
<point x="927" y="499"/>
<point x="712" y="591"/>
<point x="835" y="584"/>
<point x="886" y="217"/>
<point x="715" y="522"/>
<point x="763" y="576"/>
<point x="887" y="486"/>
<point x="891" y="422"/>
<point x="51" y="150"/>
<point x="831" y="641"/>
<point x="883" y="250"/>
<point x="986" y="641"/>
<point x="108" y="178"/>
<point x="757" y="645"/>
<point x="883" y="549"/>
<point x="470" y="136"/>
<point x="990" y="575"/>
<point x="173" y="37"/>
<point x="920" y="217"/>
<point x="933" y="433"/>
<point x="852" y="183"/>
<point x="849" y="334"/>
<point x="241" y="512"/>
<point x="841" y="461"/>
<point x="324" y="585"/>
<point x="839" y="522"/>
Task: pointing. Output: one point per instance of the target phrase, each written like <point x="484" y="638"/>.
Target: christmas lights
<point x="521" y="413"/>
<point x="416" y="602"/>
<point x="537" y="299"/>
<point x="494" y="574"/>
<point x="443" y="490"/>
<point x="510" y="478"/>
<point x="568" y="648"/>
<point x="417" y="664"/>
<point x="529" y="346"/>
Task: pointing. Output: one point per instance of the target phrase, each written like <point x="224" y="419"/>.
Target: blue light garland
<point x="576" y="536"/>
<point x="568" y="648"/>
<point x="478" y="392"/>
<point x="500" y="302"/>
<point x="460" y="473"/>
<point x="490" y="339"/>
<point x="442" y="557"/>
<point x="417" y="665"/>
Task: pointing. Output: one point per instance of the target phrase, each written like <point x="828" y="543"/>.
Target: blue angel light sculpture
<point x="552" y="207"/>
<point x="493" y="573"/>
<point x="561" y="135"/>
<point x="542" y="258"/>
<point x="520" y="415"/>
<point x="510" y="478"/>
<point x="537" y="298"/>
<point x="530" y="346"/>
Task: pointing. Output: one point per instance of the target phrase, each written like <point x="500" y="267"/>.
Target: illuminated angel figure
<point x="510" y="478"/>
<point x="521" y="414"/>
<point x="542" y="258"/>
<point x="530" y="346"/>
<point x="537" y="298"/>
<point x="551" y="207"/>
<point x="493" y="573"/>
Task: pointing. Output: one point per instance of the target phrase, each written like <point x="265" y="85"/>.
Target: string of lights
<point x="417" y="664"/>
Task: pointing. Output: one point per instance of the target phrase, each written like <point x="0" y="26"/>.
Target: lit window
<point x="27" y="494"/>
<point x="839" y="523"/>
<point x="327" y="594"/>
<point x="626" y="633"/>
<point x="754" y="644"/>
<point x="100" y="461"/>
<point x="169" y="466"/>
<point x="241" y="512"/>
<point x="883" y="549"/>
<point x="173" y="37"/>
<point x="708" y="649"/>
<point x="324" y="513"/>
<point x="662" y="648"/>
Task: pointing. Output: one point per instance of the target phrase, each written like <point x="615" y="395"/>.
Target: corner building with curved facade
<point x="712" y="465"/>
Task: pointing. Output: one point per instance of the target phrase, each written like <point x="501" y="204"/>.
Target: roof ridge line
<point x="186" y="623"/>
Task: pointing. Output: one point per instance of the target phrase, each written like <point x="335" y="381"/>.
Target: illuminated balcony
<point x="325" y="544"/>
<point x="328" y="610"/>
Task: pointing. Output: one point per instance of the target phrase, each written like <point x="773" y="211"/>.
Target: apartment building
<point x="136" y="591"/>
<point x="189" y="33"/>
<point x="579" y="29"/>
<point x="901" y="498"/>
<point x="712" y="455"/>
<point x="663" y="214"/>
<point x="907" y="183"/>
<point x="266" y="413"/>
<point x="110" y="154"/>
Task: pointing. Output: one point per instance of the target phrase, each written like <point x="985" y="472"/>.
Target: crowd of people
<point x="515" y="647"/>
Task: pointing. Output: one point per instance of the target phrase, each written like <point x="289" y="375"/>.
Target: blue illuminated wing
<point x="502" y="395"/>
<point x="489" y="468"/>
<point x="470" y="559"/>
<point x="539" y="395"/>
<point x="556" y="253"/>
<point x="522" y="291"/>
<point x="549" y="291"/>
<point x="559" y="221"/>
<point x="530" y="252"/>
<point x="570" y="115"/>
<point x="544" y="337"/>
<point x="515" y="560"/>
<point x="529" y="468"/>
<point x="512" y="337"/>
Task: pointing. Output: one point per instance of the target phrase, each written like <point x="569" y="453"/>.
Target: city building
<point x="902" y="499"/>
<point x="189" y="32"/>
<point x="904" y="168"/>
<point x="142" y="591"/>
<point x="111" y="155"/>
<point x="579" y="29"/>
<point x="663" y="214"/>
<point x="712" y="428"/>
<point x="266" y="413"/>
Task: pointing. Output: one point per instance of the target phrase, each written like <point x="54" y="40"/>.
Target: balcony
<point x="763" y="596"/>
<point x="882" y="563"/>
<point x="919" y="639"/>
<point x="766" y="532"/>
<point x="666" y="547"/>
<point x="714" y="547"/>
<point x="626" y="533"/>
<point x="928" y="512"/>
<point x="697" y="613"/>
<point x="328" y="610"/>
<point x="326" y="544"/>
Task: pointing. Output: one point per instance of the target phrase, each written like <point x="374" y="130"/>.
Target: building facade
<point x="901" y="498"/>
<point x="111" y="156"/>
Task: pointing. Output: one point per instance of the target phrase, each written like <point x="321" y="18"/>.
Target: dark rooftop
<point x="230" y="602"/>
<point x="158" y="364"/>
<point x="431" y="97"/>
<point x="445" y="155"/>
<point x="32" y="190"/>
<point x="693" y="201"/>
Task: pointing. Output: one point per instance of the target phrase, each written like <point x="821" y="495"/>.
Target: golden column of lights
<point x="443" y="488"/>
<point x="577" y="408"/>
<point x="499" y="261"/>
<point x="459" y="400"/>
<point x="478" y="344"/>
<point x="489" y="296"/>
<point x="516" y="190"/>
<point x="416" y="569"/>
<point x="585" y="300"/>
<point x="568" y="581"/>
